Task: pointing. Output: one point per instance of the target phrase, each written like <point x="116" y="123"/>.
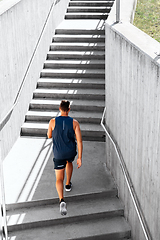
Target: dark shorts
<point x="61" y="163"/>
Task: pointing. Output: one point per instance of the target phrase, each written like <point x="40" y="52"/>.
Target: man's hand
<point x="79" y="162"/>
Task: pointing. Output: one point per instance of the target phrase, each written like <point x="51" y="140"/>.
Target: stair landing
<point x="93" y="206"/>
<point x="33" y="157"/>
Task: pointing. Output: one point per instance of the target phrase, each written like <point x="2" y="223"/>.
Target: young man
<point x="63" y="130"/>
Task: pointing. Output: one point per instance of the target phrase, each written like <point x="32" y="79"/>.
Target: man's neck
<point x="64" y="114"/>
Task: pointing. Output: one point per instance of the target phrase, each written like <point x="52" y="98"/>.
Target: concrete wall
<point x="21" y="24"/>
<point x="133" y="118"/>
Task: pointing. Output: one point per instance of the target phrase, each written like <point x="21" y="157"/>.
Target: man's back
<point x="63" y="135"/>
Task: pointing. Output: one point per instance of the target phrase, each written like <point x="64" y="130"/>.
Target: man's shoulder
<point x="52" y="120"/>
<point x="75" y="121"/>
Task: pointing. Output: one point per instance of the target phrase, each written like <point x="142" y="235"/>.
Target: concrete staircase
<point x="94" y="210"/>
<point x="89" y="9"/>
<point x="74" y="70"/>
<point x="90" y="216"/>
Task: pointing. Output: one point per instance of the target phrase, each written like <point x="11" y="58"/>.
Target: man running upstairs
<point x="63" y="130"/>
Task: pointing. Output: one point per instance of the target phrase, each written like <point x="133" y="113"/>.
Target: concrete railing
<point x="21" y="28"/>
<point x="132" y="118"/>
<point x="127" y="178"/>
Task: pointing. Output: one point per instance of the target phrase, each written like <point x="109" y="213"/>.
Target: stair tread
<point x="89" y="7"/>
<point x="78" y="44"/>
<point x="77" y="81"/>
<point x="78" y="38"/>
<point x="76" y="53"/>
<point x="74" y="114"/>
<point x="106" y="1"/>
<point x="84" y="126"/>
<point x="81" y="36"/>
<point x="77" y="230"/>
<point x="87" y="13"/>
<point x="87" y="62"/>
<point x="82" y="24"/>
<point x="95" y="1"/>
<point x="79" y="31"/>
<point x="89" y="3"/>
<point x="83" y="71"/>
<point x="70" y="91"/>
<point x="75" y="208"/>
<point x="73" y="103"/>
<point x="61" y="93"/>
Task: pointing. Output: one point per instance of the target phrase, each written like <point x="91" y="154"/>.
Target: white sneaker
<point x="63" y="208"/>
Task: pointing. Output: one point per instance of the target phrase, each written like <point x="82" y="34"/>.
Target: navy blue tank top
<point x="64" y="144"/>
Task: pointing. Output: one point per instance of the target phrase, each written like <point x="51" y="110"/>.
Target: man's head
<point x="64" y="106"/>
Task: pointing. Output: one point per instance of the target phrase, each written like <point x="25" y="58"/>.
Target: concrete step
<point x="82" y="117"/>
<point x="90" y="132"/>
<point x="80" y="31"/>
<point x="78" y="46"/>
<point x="86" y="25"/>
<point x="76" y="105"/>
<point x="91" y="3"/>
<point x="69" y="73"/>
<point x="73" y="196"/>
<point x="48" y="214"/>
<point x="88" y="9"/>
<point x="104" y="228"/>
<point x="63" y="93"/>
<point x="107" y="1"/>
<point x="82" y="55"/>
<point x="87" y="15"/>
<point x="87" y="83"/>
<point x="78" y="64"/>
<point x="90" y="38"/>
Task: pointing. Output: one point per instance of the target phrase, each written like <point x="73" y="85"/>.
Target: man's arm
<point x="51" y="127"/>
<point x="77" y="131"/>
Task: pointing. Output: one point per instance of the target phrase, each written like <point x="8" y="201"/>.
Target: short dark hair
<point x="65" y="105"/>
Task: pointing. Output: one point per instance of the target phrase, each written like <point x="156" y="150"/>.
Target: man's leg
<point x="59" y="182"/>
<point x="69" y="170"/>
<point x="59" y="186"/>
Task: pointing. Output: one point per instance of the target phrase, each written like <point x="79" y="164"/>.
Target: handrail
<point x="128" y="181"/>
<point x="3" y="207"/>
<point x="7" y="117"/>
<point x="117" y="11"/>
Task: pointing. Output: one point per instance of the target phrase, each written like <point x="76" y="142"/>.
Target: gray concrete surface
<point x="32" y="156"/>
<point x="91" y="177"/>
<point x="81" y="208"/>
<point x="115" y="229"/>
<point x="29" y="173"/>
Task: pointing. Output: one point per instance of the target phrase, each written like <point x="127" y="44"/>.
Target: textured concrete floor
<point x="29" y="173"/>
